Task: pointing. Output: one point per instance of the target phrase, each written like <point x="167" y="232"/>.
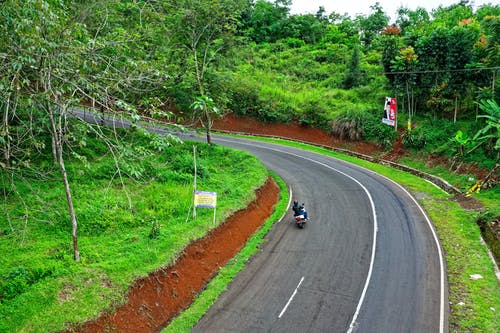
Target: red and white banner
<point x="390" y="111"/>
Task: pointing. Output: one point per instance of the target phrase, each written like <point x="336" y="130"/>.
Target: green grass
<point x="474" y="304"/>
<point x="188" y="318"/>
<point x="43" y="290"/>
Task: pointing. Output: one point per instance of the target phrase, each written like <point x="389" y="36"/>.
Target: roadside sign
<point x="205" y="199"/>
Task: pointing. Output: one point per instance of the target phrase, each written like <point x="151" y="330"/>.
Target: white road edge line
<point x="375" y="227"/>
<point x="291" y="298"/>
<point x="438" y="246"/>
<point x="290" y="194"/>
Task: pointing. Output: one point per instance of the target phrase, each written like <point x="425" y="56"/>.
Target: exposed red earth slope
<point x="154" y="300"/>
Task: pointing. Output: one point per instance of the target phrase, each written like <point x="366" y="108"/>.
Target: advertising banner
<point x="390" y="111"/>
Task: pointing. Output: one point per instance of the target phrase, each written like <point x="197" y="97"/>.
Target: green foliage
<point x="145" y="58"/>
<point x="349" y="125"/>
<point x="378" y="132"/>
<point x="414" y="139"/>
<point x="129" y="226"/>
<point x="492" y="129"/>
<point x="353" y="77"/>
<point x="373" y="24"/>
<point x="19" y="279"/>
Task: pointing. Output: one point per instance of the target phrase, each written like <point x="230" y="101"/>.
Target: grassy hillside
<point x="129" y="224"/>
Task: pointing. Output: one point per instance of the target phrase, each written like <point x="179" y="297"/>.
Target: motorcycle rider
<point x="299" y="209"/>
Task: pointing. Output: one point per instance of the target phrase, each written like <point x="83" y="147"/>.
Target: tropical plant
<point x="491" y="132"/>
<point x="461" y="145"/>
<point x="353" y="76"/>
<point x="205" y="111"/>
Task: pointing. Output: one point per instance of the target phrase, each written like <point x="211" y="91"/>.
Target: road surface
<point x="368" y="261"/>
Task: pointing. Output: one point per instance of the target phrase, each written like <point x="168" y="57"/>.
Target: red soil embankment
<point x="154" y="300"/>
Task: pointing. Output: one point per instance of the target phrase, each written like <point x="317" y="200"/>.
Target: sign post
<point x="205" y="199"/>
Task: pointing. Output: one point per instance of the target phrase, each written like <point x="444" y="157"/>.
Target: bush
<point x="294" y="42"/>
<point x="18" y="280"/>
<point x="414" y="139"/>
<point x="378" y="132"/>
<point x="349" y="125"/>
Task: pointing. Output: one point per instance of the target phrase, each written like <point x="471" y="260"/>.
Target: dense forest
<point x="156" y="59"/>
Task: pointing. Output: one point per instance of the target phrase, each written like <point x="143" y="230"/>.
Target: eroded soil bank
<point x="154" y="300"/>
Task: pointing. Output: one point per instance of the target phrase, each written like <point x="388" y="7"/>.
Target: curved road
<point x="368" y="261"/>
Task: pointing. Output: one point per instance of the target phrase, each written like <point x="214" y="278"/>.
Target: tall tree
<point x="266" y="19"/>
<point x="50" y="63"/>
<point x="204" y="29"/>
<point x="390" y="42"/>
<point x="459" y="56"/>
<point x="404" y="67"/>
<point x="372" y="26"/>
<point x="353" y="76"/>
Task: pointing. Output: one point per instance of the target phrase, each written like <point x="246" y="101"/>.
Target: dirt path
<point x="154" y="300"/>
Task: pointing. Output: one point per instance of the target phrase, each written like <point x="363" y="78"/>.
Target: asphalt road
<point x="368" y="260"/>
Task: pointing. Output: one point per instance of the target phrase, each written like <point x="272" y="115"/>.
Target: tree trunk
<point x="74" y="225"/>
<point x="209" y="137"/>
<point x="6" y="152"/>
<point x="57" y="136"/>
<point x="408" y="98"/>
<point x="456" y="109"/>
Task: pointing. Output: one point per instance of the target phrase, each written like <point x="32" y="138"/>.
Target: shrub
<point x="378" y="132"/>
<point x="18" y="280"/>
<point x="294" y="42"/>
<point x="414" y="138"/>
<point x="349" y="125"/>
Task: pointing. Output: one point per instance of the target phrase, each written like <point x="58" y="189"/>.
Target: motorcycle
<point x="300" y="214"/>
<point x="300" y="221"/>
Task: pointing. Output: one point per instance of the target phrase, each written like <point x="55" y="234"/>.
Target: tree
<point x="205" y="111"/>
<point x="451" y="15"/>
<point x="50" y="63"/>
<point x="44" y="44"/>
<point x="266" y="19"/>
<point x="353" y="76"/>
<point x="405" y="66"/>
<point x="203" y="29"/>
<point x="411" y="20"/>
<point x="390" y="42"/>
<point x="461" y="42"/>
<point x="372" y="25"/>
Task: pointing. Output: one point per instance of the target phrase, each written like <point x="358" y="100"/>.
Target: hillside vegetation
<point x="133" y="217"/>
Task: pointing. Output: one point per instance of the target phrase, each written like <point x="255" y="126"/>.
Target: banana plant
<point x="490" y="132"/>
<point x="461" y="142"/>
